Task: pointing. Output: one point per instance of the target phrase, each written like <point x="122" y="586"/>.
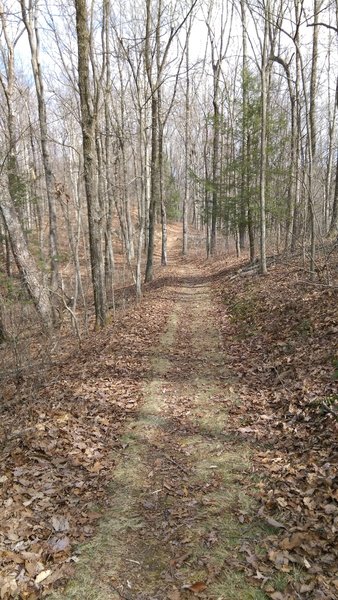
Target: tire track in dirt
<point x="177" y="489"/>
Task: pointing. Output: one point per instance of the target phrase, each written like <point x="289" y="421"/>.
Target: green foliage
<point x="171" y="192"/>
<point x="172" y="200"/>
<point x="239" y="187"/>
<point x="242" y="173"/>
<point x="18" y="186"/>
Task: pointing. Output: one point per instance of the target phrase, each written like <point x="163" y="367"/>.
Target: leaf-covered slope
<point x="280" y="342"/>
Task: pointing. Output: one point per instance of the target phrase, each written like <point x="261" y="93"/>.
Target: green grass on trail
<point x="178" y="484"/>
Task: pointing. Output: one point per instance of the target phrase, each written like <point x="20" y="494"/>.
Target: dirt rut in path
<point x="179" y="487"/>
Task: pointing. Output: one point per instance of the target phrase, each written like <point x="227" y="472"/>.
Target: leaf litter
<point x="280" y="336"/>
<point x="280" y="348"/>
<point x="56" y="452"/>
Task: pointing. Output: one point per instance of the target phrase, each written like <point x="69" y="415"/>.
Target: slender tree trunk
<point x="244" y="192"/>
<point x="143" y="150"/>
<point x="108" y="234"/>
<point x="125" y="200"/>
<point x="4" y="321"/>
<point x="206" y="199"/>
<point x="312" y="132"/>
<point x="215" y="157"/>
<point x="30" y="21"/>
<point x="109" y="252"/>
<point x="332" y="118"/>
<point x="251" y="232"/>
<point x="154" y="145"/>
<point x="186" y="197"/>
<point x="334" y="214"/>
<point x="293" y="152"/>
<point x="164" y="255"/>
<point x="89" y="164"/>
<point x="154" y="191"/>
<point x="263" y="154"/>
<point x="298" y="133"/>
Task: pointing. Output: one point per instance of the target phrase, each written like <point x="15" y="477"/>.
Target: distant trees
<point x="11" y="196"/>
<point x="228" y="110"/>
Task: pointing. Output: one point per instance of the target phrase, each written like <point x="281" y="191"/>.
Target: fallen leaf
<point x="247" y="430"/>
<point x="59" y="545"/>
<point x="33" y="567"/>
<point x="197" y="587"/>
<point x="304" y="589"/>
<point x="277" y="596"/>
<point x="60" y="523"/>
<point x="280" y="560"/>
<point x="96" y="468"/>
<point x="294" y="541"/>
<point x="271" y="521"/>
<point x="42" y="576"/>
<point x="8" y="587"/>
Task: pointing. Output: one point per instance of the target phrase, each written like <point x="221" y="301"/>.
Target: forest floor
<point x="186" y="451"/>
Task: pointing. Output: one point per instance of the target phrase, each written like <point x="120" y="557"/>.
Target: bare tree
<point x="25" y="262"/>
<point x="29" y="17"/>
<point x="89" y="114"/>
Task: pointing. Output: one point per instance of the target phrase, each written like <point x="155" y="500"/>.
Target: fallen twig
<point x="323" y="285"/>
<point x="177" y="464"/>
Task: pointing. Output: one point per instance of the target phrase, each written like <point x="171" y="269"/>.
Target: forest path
<point x="178" y="486"/>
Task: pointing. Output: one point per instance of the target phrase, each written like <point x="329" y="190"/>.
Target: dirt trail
<point x="177" y="489"/>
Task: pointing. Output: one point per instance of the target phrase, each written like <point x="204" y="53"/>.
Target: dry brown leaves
<point x="280" y="341"/>
<point x="55" y="449"/>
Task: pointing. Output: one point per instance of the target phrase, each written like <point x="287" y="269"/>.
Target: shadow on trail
<point x="129" y="292"/>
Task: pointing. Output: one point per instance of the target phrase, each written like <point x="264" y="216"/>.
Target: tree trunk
<point x="164" y="256"/>
<point x="154" y="191"/>
<point x="263" y="153"/>
<point x="25" y="262"/>
<point x="30" y="22"/>
<point x="334" y="214"/>
<point x="298" y="133"/>
<point x="186" y="197"/>
<point x="244" y="192"/>
<point x="108" y="234"/>
<point x="215" y="158"/>
<point x="312" y="132"/>
<point x="89" y="163"/>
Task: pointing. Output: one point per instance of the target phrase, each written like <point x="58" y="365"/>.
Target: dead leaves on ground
<point x="281" y="345"/>
<point x="56" y="453"/>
